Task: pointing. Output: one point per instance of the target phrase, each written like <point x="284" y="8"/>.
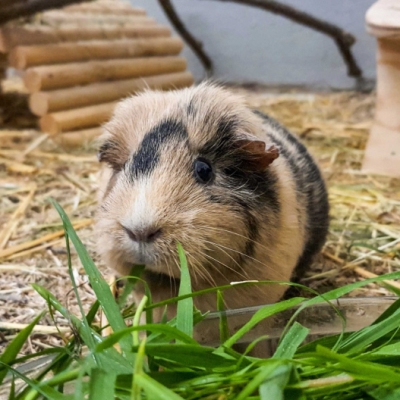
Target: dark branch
<point x="194" y="44"/>
<point x="29" y="7"/>
<point x="344" y="40"/>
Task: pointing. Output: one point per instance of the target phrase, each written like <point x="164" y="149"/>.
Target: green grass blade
<point x="388" y="312"/>
<point x="85" y="326"/>
<point x="223" y="321"/>
<point x="340" y="292"/>
<point x="263" y="313"/>
<point x="121" y="364"/>
<point x="101" y="384"/>
<point x="62" y="377"/>
<point x="169" y="331"/>
<point x="190" y="356"/>
<point x="138" y="370"/>
<point x="264" y="372"/>
<point x="385" y="393"/>
<point x="154" y="389"/>
<point x="131" y="280"/>
<point x="11" y="396"/>
<point x="184" y="315"/>
<point x="52" y="350"/>
<point x="392" y="350"/>
<point x="99" y="285"/>
<point x="364" y="337"/>
<point x="325" y="341"/>
<point x="53" y="302"/>
<point x="46" y="391"/>
<point x="136" y="319"/>
<point x="78" y="387"/>
<point x="12" y="350"/>
<point x="361" y="369"/>
<point x="291" y="341"/>
<point x="275" y="384"/>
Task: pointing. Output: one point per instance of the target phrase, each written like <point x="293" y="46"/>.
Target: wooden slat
<point x="11" y="36"/>
<point x="66" y="75"/>
<point x="22" y="57"/>
<point x="41" y="103"/>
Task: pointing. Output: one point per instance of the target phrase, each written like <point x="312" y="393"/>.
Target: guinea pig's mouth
<point x="142" y="255"/>
<point x="154" y="262"/>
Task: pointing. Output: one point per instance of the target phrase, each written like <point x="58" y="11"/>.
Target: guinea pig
<point x="240" y="193"/>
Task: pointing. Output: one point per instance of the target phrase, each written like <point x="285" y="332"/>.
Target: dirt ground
<point x="364" y="235"/>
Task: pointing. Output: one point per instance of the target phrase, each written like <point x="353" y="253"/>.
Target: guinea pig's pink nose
<point x="146" y="234"/>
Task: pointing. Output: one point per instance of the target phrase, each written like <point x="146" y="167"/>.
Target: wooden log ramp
<point x="93" y="115"/>
<point x="66" y="75"/>
<point x="22" y="57"/>
<point x="109" y="8"/>
<point x="56" y="18"/>
<point x="84" y="117"/>
<point x="42" y="103"/>
<point x="31" y="35"/>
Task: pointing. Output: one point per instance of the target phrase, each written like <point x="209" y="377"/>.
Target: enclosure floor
<point x="365" y="210"/>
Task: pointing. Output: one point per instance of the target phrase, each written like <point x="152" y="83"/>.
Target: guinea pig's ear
<point x="113" y="154"/>
<point x="258" y="155"/>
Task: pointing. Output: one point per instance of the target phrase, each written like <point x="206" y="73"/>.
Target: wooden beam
<point x="111" y="7"/>
<point x="22" y="57"/>
<point x="41" y="103"/>
<point x="77" y="118"/>
<point x="56" y="18"/>
<point x="66" y="75"/>
<point x="11" y="36"/>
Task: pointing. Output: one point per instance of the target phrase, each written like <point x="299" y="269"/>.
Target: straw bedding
<point x="364" y="235"/>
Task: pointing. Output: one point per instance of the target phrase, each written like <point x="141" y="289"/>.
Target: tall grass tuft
<point x="169" y="364"/>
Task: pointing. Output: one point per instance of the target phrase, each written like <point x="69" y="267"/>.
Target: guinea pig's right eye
<point x="202" y="171"/>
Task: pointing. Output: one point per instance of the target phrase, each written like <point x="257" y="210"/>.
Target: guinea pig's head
<point x="183" y="166"/>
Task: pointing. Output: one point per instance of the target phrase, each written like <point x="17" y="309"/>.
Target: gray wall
<point x="247" y="44"/>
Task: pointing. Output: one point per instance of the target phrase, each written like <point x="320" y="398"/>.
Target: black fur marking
<point x="222" y="143"/>
<point x="148" y="154"/>
<point x="252" y="233"/>
<point x="309" y="183"/>
<point x="190" y="108"/>
<point x="103" y="150"/>
<point x="231" y="163"/>
<point x="107" y="152"/>
<point x="247" y="192"/>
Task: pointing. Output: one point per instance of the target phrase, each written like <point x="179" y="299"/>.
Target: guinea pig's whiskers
<point x="275" y="272"/>
<point x="224" y="251"/>
<point x="205" y="228"/>
<point x="205" y="274"/>
<point x="267" y="267"/>
<point x="198" y="267"/>
<point x="240" y="274"/>
<point x="172" y="281"/>
<point x="223" y="264"/>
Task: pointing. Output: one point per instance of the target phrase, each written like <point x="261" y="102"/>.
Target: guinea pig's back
<point x="310" y="189"/>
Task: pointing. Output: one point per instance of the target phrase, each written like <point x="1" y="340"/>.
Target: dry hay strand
<point x="365" y="209"/>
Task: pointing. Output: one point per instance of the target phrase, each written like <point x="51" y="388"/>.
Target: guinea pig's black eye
<point x="203" y="171"/>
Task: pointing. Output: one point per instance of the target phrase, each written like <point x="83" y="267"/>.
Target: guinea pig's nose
<point x="146" y="234"/>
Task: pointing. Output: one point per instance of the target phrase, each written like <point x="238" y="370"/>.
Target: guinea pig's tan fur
<point x="258" y="218"/>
